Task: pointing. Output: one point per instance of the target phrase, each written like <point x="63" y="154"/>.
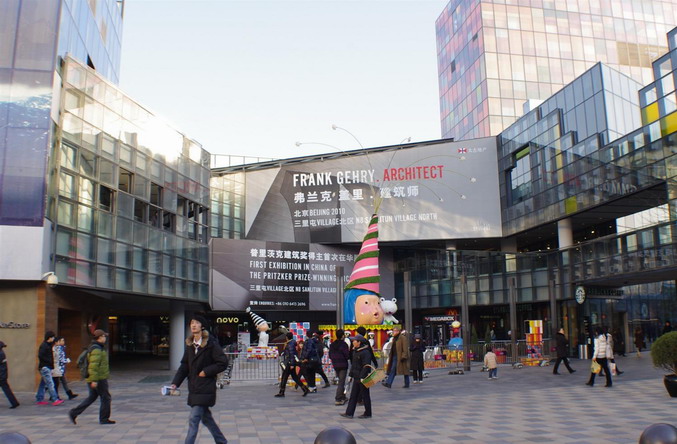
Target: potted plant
<point x="664" y="355"/>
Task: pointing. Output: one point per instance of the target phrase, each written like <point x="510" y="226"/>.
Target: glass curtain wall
<point x="128" y="194"/>
<point x="493" y="56"/>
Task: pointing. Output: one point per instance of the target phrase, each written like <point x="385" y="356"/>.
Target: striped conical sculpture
<point x="258" y="320"/>
<point x="361" y="295"/>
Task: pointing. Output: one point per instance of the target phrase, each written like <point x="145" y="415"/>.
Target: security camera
<point x="51" y="279"/>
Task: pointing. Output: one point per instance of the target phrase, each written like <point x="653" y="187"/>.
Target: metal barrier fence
<point x="506" y="353"/>
<point x="245" y="367"/>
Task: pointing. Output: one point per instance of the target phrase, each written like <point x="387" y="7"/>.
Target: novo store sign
<point x="14" y="325"/>
<point x="433" y="191"/>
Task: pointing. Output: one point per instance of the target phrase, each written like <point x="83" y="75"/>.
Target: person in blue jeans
<point x="202" y="361"/>
<point x="398" y="360"/>
<point x="45" y="367"/>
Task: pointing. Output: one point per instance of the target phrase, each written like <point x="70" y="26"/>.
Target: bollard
<point x="335" y="435"/>
<point x="13" y="438"/>
<point x="660" y="433"/>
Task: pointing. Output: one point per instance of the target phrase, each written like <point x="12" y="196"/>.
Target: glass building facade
<point x="128" y="195"/>
<point x="495" y="55"/>
<point x="34" y="35"/>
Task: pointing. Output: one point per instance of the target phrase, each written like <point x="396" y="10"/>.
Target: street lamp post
<point x="465" y="315"/>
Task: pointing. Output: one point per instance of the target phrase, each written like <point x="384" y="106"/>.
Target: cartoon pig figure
<point x="389" y="308"/>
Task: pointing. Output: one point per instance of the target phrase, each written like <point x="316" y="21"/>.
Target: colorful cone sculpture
<point x="361" y="296"/>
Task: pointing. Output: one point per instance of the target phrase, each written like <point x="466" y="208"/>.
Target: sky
<point x="252" y="78"/>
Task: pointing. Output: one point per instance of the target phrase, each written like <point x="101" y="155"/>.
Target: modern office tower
<point x="495" y="55"/>
<point x="103" y="206"/>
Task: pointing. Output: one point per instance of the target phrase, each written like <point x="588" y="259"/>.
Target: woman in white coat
<point x="599" y="355"/>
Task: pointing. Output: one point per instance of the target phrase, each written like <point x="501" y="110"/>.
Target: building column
<point x="177" y="333"/>
<point x="565" y="234"/>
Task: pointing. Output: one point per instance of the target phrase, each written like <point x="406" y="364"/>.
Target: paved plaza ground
<point x="527" y="405"/>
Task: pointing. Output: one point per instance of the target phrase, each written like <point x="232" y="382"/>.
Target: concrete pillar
<point x="177" y="333"/>
<point x="565" y="234"/>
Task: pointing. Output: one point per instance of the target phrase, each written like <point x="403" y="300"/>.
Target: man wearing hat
<point x="202" y="361"/>
<point x="4" y="374"/>
<point x="359" y="370"/>
<point x="98" y="371"/>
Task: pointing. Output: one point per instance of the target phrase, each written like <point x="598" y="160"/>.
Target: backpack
<point x="83" y="363"/>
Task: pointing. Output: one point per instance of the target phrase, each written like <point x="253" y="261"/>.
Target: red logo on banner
<point x="463" y="150"/>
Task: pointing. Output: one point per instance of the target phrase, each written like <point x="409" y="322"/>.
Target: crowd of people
<point x="352" y="358"/>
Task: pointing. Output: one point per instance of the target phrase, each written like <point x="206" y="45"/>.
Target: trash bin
<point x="583" y="351"/>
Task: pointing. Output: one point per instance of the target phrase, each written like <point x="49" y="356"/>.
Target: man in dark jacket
<point x="316" y="365"/>
<point x="45" y="367"/>
<point x="339" y="355"/>
<point x="98" y="371"/>
<point x="289" y="363"/>
<point x="562" y="346"/>
<point x="360" y="369"/>
<point x="4" y="375"/>
<point x="202" y="361"/>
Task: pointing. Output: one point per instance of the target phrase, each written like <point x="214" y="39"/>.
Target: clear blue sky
<point x="254" y="77"/>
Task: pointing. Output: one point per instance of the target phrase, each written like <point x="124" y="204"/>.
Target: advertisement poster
<point x="271" y="276"/>
<point x="438" y="190"/>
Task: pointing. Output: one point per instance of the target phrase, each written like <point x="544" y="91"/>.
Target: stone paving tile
<point x="528" y="405"/>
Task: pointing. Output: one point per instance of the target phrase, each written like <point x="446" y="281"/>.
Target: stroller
<point x="223" y="378"/>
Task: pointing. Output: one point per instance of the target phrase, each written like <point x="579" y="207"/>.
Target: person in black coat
<point x="417" y="348"/>
<point x="289" y="363"/>
<point x="4" y="375"/>
<point x="340" y="355"/>
<point x="562" y="348"/>
<point x="202" y="361"/>
<point x="360" y="369"/>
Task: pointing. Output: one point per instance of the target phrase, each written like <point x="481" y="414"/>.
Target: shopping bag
<point x="595" y="367"/>
<point x="612" y="367"/>
<point x="376" y="376"/>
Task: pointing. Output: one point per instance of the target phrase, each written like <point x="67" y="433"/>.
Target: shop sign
<point x="228" y="320"/>
<point x="580" y="294"/>
<point x="14" y="325"/>
<point x="439" y="318"/>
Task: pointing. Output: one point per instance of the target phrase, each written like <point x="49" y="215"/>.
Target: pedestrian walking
<point x="667" y="328"/>
<point x="639" y="341"/>
<point x="619" y="343"/>
<point x="599" y="355"/>
<point x="290" y="361"/>
<point x="45" y="367"/>
<point x="359" y="370"/>
<point x="98" y="371"/>
<point x="363" y="332"/>
<point x="562" y="351"/>
<point x="398" y="361"/>
<point x="610" y="353"/>
<point x="416" y="349"/>
<point x="317" y="364"/>
<point x="59" y="372"/>
<point x="202" y="361"/>
<point x="4" y="378"/>
<point x="491" y="363"/>
<point x="339" y="355"/>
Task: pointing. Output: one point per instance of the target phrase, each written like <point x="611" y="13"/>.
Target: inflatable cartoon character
<point x="389" y="308"/>
<point x="362" y="304"/>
